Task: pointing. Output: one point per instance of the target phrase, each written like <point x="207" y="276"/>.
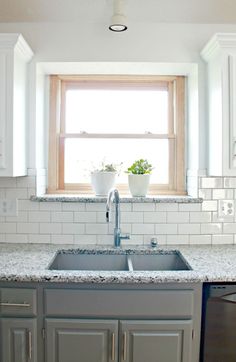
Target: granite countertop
<point x="29" y="263"/>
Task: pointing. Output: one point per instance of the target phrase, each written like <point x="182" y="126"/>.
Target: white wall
<point x="92" y="42"/>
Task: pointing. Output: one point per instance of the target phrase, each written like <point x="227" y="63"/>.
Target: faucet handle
<point x="107" y="216"/>
<point x="125" y="236"/>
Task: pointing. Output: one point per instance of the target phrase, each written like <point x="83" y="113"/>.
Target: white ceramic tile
<point x="26" y="182"/>
<point x="50" y="228"/>
<point x="189" y="229"/>
<point x="209" y="205"/>
<point x="167" y="207"/>
<point x="155" y="217"/>
<point x="204" y="216"/>
<point x="229" y="228"/>
<point x="7" y="182"/>
<point x="62" y="239"/>
<point x="166" y="229"/>
<point x="125" y="207"/>
<point x="132" y="217"/>
<point x="101" y="217"/>
<point x="17" y="238"/>
<point x="27" y="205"/>
<point x="27" y="228"/>
<point x="86" y="216"/>
<point x="200" y="239"/>
<point x="73" y="228"/>
<point x="85" y="239"/>
<point x="177" y="217"/>
<point x="134" y="240"/>
<point x="230" y="182"/>
<point x="216" y="218"/>
<point x="8" y="228"/>
<point x="190" y="207"/>
<point x="31" y="192"/>
<point x="94" y="228"/>
<point x="73" y="206"/>
<point x="62" y="216"/>
<point x="205" y="194"/>
<point x="211" y="182"/>
<point x="96" y="207"/>
<point x="143" y="207"/>
<point x="125" y="228"/>
<point x="2" y="238"/>
<point x="177" y="239"/>
<point x="50" y="206"/>
<point x="222" y="239"/>
<point x="39" y="216"/>
<point x="16" y="193"/>
<point x="222" y="194"/>
<point x="211" y="228"/>
<point x="105" y="240"/>
<point x="143" y="229"/>
<point x="39" y="238"/>
<point x="22" y="217"/>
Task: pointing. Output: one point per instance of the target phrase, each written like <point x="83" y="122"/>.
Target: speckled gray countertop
<point x="29" y="263"/>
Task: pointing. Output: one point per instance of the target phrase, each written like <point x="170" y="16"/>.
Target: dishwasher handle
<point x="229" y="297"/>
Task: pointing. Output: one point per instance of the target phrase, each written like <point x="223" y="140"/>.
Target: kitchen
<point x="75" y="39"/>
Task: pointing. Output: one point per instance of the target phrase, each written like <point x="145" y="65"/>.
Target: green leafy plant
<point x="140" y="167"/>
<point x="108" y="167"/>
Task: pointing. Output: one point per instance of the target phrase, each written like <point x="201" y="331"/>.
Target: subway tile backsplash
<point x="84" y="223"/>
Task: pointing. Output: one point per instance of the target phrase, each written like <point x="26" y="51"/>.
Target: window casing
<point x="60" y="137"/>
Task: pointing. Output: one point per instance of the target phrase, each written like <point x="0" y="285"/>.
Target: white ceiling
<point x="161" y="11"/>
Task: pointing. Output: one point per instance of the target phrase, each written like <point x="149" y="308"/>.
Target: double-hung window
<point x="116" y="119"/>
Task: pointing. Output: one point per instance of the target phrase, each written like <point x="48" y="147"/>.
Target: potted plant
<point x="103" y="179"/>
<point x="139" y="177"/>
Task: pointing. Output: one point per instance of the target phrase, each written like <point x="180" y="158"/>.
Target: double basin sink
<point x="135" y="261"/>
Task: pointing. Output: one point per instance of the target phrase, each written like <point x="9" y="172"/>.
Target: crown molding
<point x="218" y="43"/>
<point x="16" y="42"/>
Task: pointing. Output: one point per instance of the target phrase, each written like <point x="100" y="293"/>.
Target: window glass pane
<point x="84" y="155"/>
<point x="117" y="111"/>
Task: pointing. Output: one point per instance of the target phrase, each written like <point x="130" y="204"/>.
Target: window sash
<point x="57" y="135"/>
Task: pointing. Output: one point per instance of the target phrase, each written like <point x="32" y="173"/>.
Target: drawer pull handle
<point x="8" y="304"/>
<point x="30" y="345"/>
<point x="113" y="346"/>
<point x="124" y="346"/>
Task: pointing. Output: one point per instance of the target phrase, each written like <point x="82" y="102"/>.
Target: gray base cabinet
<point x="18" y="340"/>
<point x="81" y="340"/>
<point x="152" y="341"/>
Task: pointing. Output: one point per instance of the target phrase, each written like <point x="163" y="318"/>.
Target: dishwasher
<point x="218" y="342"/>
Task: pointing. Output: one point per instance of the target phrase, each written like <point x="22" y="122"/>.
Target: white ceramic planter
<point x="102" y="182"/>
<point x="138" y="184"/>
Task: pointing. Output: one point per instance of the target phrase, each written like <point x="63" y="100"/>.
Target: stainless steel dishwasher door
<point x="219" y="335"/>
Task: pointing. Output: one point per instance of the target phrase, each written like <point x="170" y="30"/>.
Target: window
<point x="116" y="119"/>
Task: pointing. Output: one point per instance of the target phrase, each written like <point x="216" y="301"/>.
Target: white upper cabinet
<point x="14" y="56"/>
<point x="220" y="54"/>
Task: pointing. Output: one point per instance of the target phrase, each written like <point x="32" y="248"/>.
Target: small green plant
<point x="140" y="167"/>
<point x="108" y="167"/>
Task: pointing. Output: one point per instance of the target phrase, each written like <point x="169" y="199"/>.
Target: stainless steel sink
<point x="172" y="261"/>
<point x="126" y="261"/>
<point x="64" y="261"/>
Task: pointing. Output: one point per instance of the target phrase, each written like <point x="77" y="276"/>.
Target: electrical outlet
<point x="226" y="209"/>
<point x="8" y="207"/>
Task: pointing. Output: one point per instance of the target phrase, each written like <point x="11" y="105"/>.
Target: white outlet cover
<point x="226" y="209"/>
<point x="8" y="207"/>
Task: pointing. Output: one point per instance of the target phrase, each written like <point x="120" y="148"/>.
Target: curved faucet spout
<point x="113" y="195"/>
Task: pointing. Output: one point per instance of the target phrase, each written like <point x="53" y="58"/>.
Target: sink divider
<point x="130" y="264"/>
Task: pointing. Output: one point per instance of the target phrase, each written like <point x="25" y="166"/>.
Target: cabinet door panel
<point x="18" y="340"/>
<point x="81" y="340"/>
<point x="152" y="341"/>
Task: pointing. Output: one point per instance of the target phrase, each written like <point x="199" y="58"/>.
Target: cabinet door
<point x="76" y="340"/>
<point x="156" y="341"/>
<point x="18" y="340"/>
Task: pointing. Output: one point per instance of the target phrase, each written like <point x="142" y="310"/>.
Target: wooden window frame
<point x="176" y="133"/>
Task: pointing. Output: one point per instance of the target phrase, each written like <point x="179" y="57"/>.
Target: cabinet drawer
<point x="119" y="303"/>
<point x="18" y="302"/>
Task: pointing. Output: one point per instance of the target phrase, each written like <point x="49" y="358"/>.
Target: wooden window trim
<point x="176" y="88"/>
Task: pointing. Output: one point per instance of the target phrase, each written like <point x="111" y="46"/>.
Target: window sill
<point x="123" y="199"/>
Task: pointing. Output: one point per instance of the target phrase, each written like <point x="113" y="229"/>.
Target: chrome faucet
<point x="113" y="195"/>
